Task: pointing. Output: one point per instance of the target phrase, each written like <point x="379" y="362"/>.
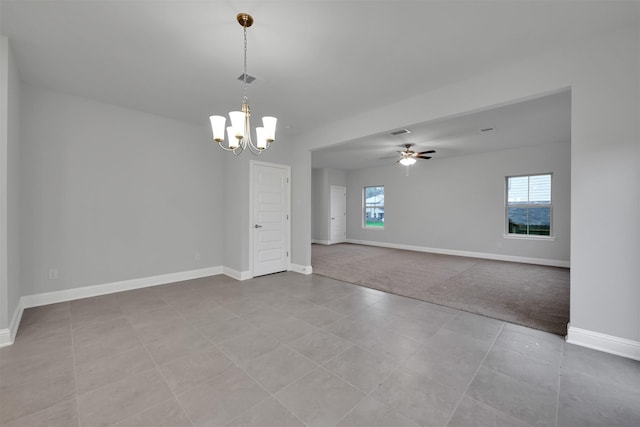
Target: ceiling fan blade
<point x="426" y="152"/>
<point x="423" y="157"/>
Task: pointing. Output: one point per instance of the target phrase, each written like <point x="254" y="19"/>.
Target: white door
<point x="270" y="228"/>
<point x="338" y="211"/>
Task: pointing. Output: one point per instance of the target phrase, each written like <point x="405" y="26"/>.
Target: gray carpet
<point x="530" y="295"/>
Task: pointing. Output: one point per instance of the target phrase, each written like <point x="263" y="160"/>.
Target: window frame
<point x="363" y="214"/>
<point x="529" y="205"/>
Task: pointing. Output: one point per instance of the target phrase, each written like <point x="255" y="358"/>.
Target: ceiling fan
<point x="408" y="156"/>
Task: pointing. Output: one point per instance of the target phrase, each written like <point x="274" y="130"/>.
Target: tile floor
<point x="293" y="350"/>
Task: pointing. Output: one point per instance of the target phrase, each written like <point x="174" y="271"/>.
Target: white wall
<point x="110" y="194"/>
<point x="458" y="203"/>
<point x="322" y="180"/>
<point x="603" y="74"/>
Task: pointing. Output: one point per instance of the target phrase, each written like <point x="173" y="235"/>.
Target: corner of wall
<point x="302" y="269"/>
<point x="4" y="306"/>
<point x="8" y="335"/>
<point x="603" y="342"/>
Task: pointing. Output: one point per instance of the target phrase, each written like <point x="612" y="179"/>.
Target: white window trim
<point x="363" y="213"/>
<point x="506" y="233"/>
<point x="528" y="237"/>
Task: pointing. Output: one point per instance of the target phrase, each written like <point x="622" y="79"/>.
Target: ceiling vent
<point x="250" y="78"/>
<point x="400" y="132"/>
<point x="487" y="129"/>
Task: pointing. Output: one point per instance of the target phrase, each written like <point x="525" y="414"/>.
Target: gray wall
<point x="4" y="70"/>
<point x="9" y="185"/>
<point x="458" y="203"/>
<point x="603" y="73"/>
<point x="317" y="204"/>
<point x="322" y="180"/>
<point x="13" y="188"/>
<point x="110" y="194"/>
<point x="301" y="204"/>
<point x="237" y="200"/>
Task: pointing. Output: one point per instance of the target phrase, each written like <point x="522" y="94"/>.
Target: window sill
<point x="529" y="237"/>
<point x="373" y="228"/>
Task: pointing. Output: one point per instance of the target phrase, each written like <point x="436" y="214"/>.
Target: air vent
<point x="487" y="130"/>
<point x="400" y="132"/>
<point x="250" y="78"/>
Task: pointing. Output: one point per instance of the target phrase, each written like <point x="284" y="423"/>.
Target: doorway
<point x="270" y="217"/>
<point x="338" y="215"/>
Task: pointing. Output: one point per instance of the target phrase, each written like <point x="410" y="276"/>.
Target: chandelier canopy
<point x="239" y="133"/>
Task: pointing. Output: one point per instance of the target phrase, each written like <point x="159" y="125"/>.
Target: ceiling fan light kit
<point x="407" y="161"/>
<point x="408" y="156"/>
<point x="239" y="133"/>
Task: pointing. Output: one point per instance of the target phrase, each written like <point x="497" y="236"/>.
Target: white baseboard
<point x="8" y="335"/>
<point x="301" y="268"/>
<point x="109" y="288"/>
<point x="5" y="337"/>
<point x="235" y="274"/>
<point x="321" y="242"/>
<point x="327" y="242"/>
<point x="603" y="342"/>
<point x="497" y="257"/>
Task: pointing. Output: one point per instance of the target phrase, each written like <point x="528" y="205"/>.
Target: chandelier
<point x="239" y="133"/>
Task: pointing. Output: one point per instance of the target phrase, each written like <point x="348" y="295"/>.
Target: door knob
<point x="257" y="226"/>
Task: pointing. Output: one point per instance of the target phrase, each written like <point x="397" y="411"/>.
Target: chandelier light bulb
<point x="269" y="124"/>
<point x="261" y="136"/>
<point x="217" y="126"/>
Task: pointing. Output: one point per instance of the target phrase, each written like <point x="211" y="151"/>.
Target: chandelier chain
<point x="244" y="75"/>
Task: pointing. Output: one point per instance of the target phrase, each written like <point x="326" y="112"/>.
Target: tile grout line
<point x="366" y="395"/>
<point x="318" y="365"/>
<point x="321" y="366"/>
<point x="39" y="411"/>
<point x="272" y="395"/>
<point x="75" y="368"/>
<point x="354" y="344"/>
<point x="475" y="374"/>
<point x="559" y="381"/>
<point x="234" y="363"/>
<point x="155" y="367"/>
<point x="173" y="394"/>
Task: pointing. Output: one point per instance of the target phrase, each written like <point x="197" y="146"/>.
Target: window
<point x="373" y="207"/>
<point x="529" y="208"/>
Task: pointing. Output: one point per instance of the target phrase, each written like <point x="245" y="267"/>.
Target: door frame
<point x="331" y="187"/>
<point x="287" y="169"/>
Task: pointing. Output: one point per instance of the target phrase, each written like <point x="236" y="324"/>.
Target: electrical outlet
<point x="52" y="274"/>
<point x="197" y="256"/>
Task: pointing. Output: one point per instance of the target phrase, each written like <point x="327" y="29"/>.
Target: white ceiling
<point x="316" y="61"/>
<point x="544" y="120"/>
